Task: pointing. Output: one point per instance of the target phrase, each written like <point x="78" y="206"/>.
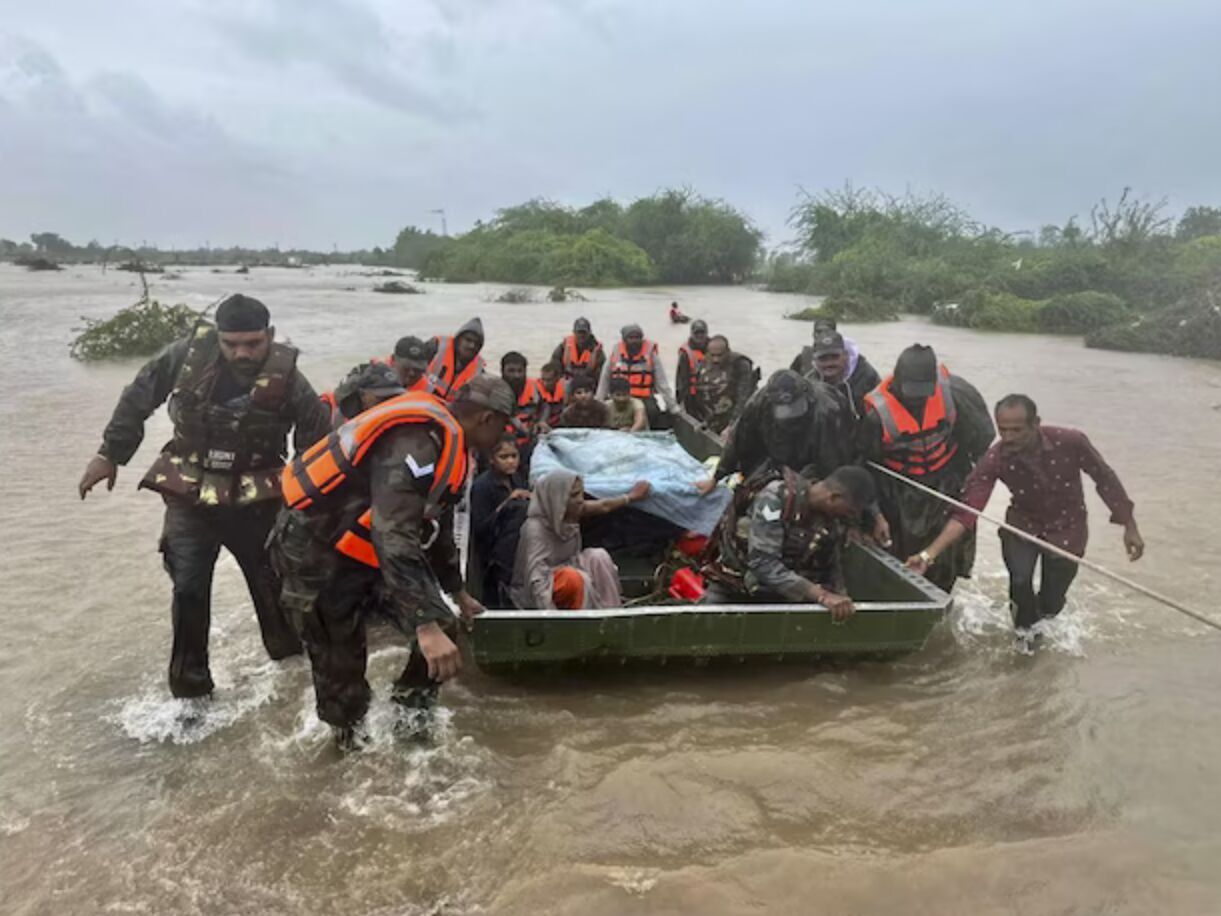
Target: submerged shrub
<point x="138" y="330"/>
<point x="1077" y="313"/>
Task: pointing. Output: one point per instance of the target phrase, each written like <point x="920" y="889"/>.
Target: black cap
<point x="787" y="395"/>
<point x="829" y="342"/>
<point x="410" y="352"/>
<point x="242" y="313"/>
<point x="581" y="324"/>
<point x="822" y="324"/>
<point x="916" y="372"/>
<point x="375" y="378"/>
<point x="699" y="325"/>
<point x="490" y="391"/>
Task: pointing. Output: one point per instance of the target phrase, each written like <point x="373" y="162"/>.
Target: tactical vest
<point x="321" y="478"/>
<point x="225" y="454"/>
<point x="913" y="448"/>
<point x="638" y="369"/>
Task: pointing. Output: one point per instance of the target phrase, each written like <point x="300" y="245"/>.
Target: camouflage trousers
<point x="330" y="600"/>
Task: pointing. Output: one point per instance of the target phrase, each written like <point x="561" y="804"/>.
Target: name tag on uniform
<point x="418" y="470"/>
<point x="219" y="459"/>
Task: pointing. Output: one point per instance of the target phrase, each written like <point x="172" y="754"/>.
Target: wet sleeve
<point x="484" y="499"/>
<point x="148" y="391"/>
<point x="311" y="419"/>
<point x="764" y="543"/>
<point x="869" y="438"/>
<point x="978" y="488"/>
<point x="400" y="477"/>
<point x="1106" y="481"/>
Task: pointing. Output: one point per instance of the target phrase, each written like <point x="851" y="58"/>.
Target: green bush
<point x="989" y="310"/>
<point x="1192" y="328"/>
<point x="858" y="308"/>
<point x="1198" y="263"/>
<point x="597" y="258"/>
<point x="1078" y="313"/>
<point x="138" y="330"/>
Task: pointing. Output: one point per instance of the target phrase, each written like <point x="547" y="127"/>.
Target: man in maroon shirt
<point x="1041" y="466"/>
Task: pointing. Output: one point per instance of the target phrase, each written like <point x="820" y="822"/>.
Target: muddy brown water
<point x="962" y="779"/>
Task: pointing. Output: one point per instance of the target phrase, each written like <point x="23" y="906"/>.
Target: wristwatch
<point x="926" y="557"/>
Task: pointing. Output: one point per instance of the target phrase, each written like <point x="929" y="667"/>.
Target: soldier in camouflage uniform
<point x="783" y="539"/>
<point x="234" y="396"/>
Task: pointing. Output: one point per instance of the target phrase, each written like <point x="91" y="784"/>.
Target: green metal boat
<point x="896" y="611"/>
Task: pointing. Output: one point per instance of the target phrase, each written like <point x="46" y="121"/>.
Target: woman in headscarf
<point x="552" y="571"/>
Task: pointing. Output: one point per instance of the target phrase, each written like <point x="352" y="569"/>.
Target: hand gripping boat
<point x="895" y="612"/>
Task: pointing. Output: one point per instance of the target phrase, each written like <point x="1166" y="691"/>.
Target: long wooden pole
<point x="1052" y="548"/>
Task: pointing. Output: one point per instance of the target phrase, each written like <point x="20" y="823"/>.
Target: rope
<point x="1052" y="548"/>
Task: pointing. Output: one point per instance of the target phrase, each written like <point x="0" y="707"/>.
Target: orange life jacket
<point x="551" y="403"/>
<point x="576" y="361"/>
<point x="527" y="412"/>
<point x="638" y="369"/>
<point x="695" y="359"/>
<point x="442" y="374"/>
<point x="911" y="448"/>
<point x="328" y="465"/>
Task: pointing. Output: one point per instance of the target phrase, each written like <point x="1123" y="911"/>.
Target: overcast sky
<point x="313" y="122"/>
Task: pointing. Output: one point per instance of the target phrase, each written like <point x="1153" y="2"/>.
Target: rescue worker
<point x="859" y="371"/>
<point x="1042" y="467"/>
<point x="636" y="360"/>
<point x="783" y="537"/>
<point x="938" y="450"/>
<point x="365" y="386"/>
<point x="551" y="388"/>
<point x="791" y="422"/>
<point x="690" y="358"/>
<point x="513" y="369"/>
<point x="234" y="397"/>
<point x="833" y="366"/>
<point x="580" y="353"/>
<point x="370" y="508"/>
<point x="410" y="361"/>
<point x="723" y="384"/>
<point x="454" y="361"/>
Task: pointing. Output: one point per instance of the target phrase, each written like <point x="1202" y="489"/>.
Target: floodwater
<point x="963" y="779"/>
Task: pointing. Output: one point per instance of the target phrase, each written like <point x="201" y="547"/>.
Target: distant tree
<point x="1197" y="222"/>
<point x="1130" y="223"/>
<point x="413" y="245"/>
<point x="50" y="243"/>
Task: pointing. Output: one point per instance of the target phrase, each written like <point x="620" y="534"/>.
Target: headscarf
<point x="549" y="504"/>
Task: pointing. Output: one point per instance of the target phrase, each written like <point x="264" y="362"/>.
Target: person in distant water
<point x="584" y="411"/>
<point x="551" y="569"/>
<point x="370" y="517"/>
<point x="551" y="389"/>
<point x="362" y="388"/>
<point x="782" y="540"/>
<point x="927" y="424"/>
<point x="499" y="499"/>
<point x="410" y="361"/>
<point x="636" y="360"/>
<point x="833" y="366"/>
<point x="513" y="369"/>
<point x="626" y="413"/>
<point x="1042" y="467"/>
<point x="791" y="422"/>
<point x="454" y="361"/>
<point x="690" y="358"/>
<point x="676" y="315"/>
<point x="580" y="353"/>
<point x="234" y="397"/>
<point x="858" y="370"/>
<point x="724" y="383"/>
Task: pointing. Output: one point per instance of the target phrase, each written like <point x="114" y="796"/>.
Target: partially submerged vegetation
<point x="397" y="287"/>
<point x="672" y="237"/>
<point x="138" y="330"/>
<point x="874" y="255"/>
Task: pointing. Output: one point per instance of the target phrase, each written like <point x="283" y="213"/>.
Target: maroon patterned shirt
<point x="1045" y="480"/>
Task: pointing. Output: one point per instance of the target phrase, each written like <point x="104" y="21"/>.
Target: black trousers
<point x="191" y="540"/>
<point x="330" y="600"/>
<point x="1027" y="605"/>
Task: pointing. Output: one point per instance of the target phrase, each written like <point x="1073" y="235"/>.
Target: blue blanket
<point x="609" y="462"/>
